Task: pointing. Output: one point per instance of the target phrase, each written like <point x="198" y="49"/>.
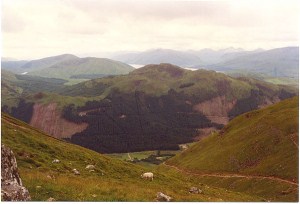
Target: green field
<point x="139" y="157"/>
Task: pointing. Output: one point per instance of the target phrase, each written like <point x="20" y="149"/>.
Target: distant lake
<point x="142" y="65"/>
<point x="192" y="69"/>
<point x="136" y="65"/>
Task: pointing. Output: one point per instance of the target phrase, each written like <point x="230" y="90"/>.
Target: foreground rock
<point x="162" y="197"/>
<point x="55" y="161"/>
<point x="11" y="183"/>
<point x="50" y="199"/>
<point x="195" y="190"/>
<point x="76" y="172"/>
<point x="90" y="167"/>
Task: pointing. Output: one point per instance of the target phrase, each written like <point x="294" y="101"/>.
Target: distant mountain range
<point x="280" y="62"/>
<point x="68" y="66"/>
<point x="188" y="58"/>
<point x="158" y="56"/>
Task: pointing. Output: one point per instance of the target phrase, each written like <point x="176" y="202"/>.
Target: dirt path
<point x="27" y="128"/>
<point x="129" y="156"/>
<point x="294" y="142"/>
<point x="13" y="124"/>
<point x="232" y="175"/>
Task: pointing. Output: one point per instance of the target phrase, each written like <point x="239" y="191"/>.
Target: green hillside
<point x="83" y="68"/>
<point x="10" y="91"/>
<point x="112" y="180"/>
<point x="16" y="87"/>
<point x="151" y="108"/>
<point x="68" y="67"/>
<point x="46" y="62"/>
<point x="19" y="67"/>
<point x="262" y="142"/>
<point x="160" y="79"/>
<point x="263" y="77"/>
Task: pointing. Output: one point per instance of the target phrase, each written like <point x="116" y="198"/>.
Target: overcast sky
<point x="39" y="28"/>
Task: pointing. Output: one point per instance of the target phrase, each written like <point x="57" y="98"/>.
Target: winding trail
<point x="129" y="156"/>
<point x="294" y="142"/>
<point x="221" y="175"/>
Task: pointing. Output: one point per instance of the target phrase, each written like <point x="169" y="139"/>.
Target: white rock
<point x="90" y="167"/>
<point x="162" y="197"/>
<point x="76" y="172"/>
<point x="195" y="190"/>
<point x="51" y="199"/>
<point x="55" y="161"/>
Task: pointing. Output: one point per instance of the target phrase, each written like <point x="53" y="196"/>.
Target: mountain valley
<point x="233" y="135"/>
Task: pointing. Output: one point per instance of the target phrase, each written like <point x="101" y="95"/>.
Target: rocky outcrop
<point x="216" y="109"/>
<point x="195" y="190"/>
<point x="12" y="188"/>
<point x="48" y="119"/>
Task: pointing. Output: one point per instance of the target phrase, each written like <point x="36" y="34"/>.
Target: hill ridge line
<point x="231" y="175"/>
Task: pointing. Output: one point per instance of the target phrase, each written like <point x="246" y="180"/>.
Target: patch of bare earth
<point x="216" y="109"/>
<point x="48" y="119"/>
<point x="268" y="102"/>
<point x="204" y="132"/>
<point x="295" y="139"/>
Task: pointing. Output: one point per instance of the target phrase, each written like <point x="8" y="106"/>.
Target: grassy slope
<point x="257" y="143"/>
<point x="47" y="62"/>
<point x="66" y="69"/>
<point x="10" y="91"/>
<point x="159" y="79"/>
<point x="269" y="190"/>
<point x="263" y="77"/>
<point x="121" y="181"/>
